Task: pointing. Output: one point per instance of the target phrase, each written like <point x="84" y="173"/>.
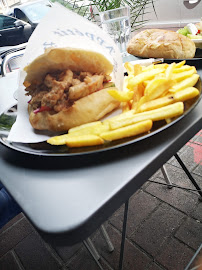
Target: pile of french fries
<point x="151" y="93"/>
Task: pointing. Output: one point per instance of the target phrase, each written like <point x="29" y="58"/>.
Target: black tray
<point x="44" y="149"/>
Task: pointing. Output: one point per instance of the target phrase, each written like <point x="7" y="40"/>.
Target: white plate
<point x="198" y="43"/>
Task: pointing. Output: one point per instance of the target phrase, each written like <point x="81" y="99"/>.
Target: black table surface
<point x="68" y="198"/>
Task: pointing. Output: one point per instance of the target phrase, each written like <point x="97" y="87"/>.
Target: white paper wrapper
<point x="61" y="28"/>
<point x="8" y="87"/>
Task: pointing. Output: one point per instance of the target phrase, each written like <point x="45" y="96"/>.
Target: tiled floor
<point x="163" y="233"/>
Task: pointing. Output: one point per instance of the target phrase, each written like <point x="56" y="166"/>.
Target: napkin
<point x="8" y="88"/>
<point x="61" y="28"/>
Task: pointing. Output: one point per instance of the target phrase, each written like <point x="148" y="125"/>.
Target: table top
<point x="68" y="198"/>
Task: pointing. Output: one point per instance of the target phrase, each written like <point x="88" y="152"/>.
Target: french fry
<point x="157" y="87"/>
<point x="129" y="68"/>
<point x="182" y="69"/>
<point x="58" y="140"/>
<point x="143" y="76"/>
<point x="126" y="106"/>
<point x="156" y="103"/>
<point x="182" y="95"/>
<point x="84" y="140"/>
<point x="169" y="111"/>
<point x="94" y="128"/>
<point x="188" y="82"/>
<point x="180" y="64"/>
<point x="170" y="70"/>
<point x="121" y="95"/>
<point x="128" y="131"/>
<point x="161" y="65"/>
<point x="183" y="75"/>
<point x="186" y="94"/>
<point x="138" y="93"/>
<point x="137" y="69"/>
<point x="119" y="116"/>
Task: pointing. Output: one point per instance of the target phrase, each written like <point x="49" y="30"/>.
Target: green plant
<point x="90" y="9"/>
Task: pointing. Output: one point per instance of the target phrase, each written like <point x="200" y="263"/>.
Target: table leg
<point x="189" y="175"/>
<point x="123" y="235"/>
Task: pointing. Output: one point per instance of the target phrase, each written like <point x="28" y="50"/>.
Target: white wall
<point x="173" y="13"/>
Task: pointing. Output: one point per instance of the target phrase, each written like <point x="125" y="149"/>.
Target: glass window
<point x="36" y="11"/>
<point x="6" y="22"/>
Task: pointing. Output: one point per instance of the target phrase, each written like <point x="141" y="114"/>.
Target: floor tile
<point x="175" y="255"/>
<point x="152" y="234"/>
<point x="140" y="206"/>
<point x="8" y="262"/>
<point x="34" y="255"/>
<point x="181" y="199"/>
<point x="14" y="235"/>
<point x="190" y="232"/>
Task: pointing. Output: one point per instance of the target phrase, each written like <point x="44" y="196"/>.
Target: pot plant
<point x="91" y="9"/>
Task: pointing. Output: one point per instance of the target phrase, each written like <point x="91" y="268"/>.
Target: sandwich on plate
<point x="68" y="87"/>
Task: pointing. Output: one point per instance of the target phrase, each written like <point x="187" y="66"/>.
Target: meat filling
<point x="59" y="90"/>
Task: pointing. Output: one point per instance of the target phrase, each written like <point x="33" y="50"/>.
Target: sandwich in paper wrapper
<point x="67" y="68"/>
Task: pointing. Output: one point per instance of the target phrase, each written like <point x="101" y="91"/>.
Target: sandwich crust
<point x="161" y="43"/>
<point x="59" y="59"/>
<point x="85" y="110"/>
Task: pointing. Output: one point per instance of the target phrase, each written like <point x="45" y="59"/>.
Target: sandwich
<point x="159" y="43"/>
<point x="68" y="87"/>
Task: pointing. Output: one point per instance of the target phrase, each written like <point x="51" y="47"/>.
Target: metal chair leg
<point x="107" y="238"/>
<point x="93" y="249"/>
<point x="92" y="252"/>
<point x="189" y="176"/>
<point x="165" y="174"/>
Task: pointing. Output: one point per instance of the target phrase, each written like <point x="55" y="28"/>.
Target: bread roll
<point x="85" y="102"/>
<point x="159" y="43"/>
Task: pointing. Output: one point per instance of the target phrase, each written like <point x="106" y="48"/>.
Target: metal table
<point x="68" y="198"/>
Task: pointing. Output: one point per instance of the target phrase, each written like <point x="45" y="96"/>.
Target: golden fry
<point x="170" y="70"/>
<point x="180" y="64"/>
<point x="126" y="106"/>
<point x="128" y="131"/>
<point x="121" y="95"/>
<point x="182" y="95"/>
<point x="129" y="68"/>
<point x="84" y="140"/>
<point x="188" y="82"/>
<point x="58" y="140"/>
<point x="143" y="76"/>
<point x="169" y="111"/>
<point x="182" y="69"/>
<point x="186" y="94"/>
<point x="183" y="75"/>
<point x="156" y="103"/>
<point x="138" y="93"/>
<point x="137" y="69"/>
<point x="157" y="87"/>
<point x="90" y="128"/>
